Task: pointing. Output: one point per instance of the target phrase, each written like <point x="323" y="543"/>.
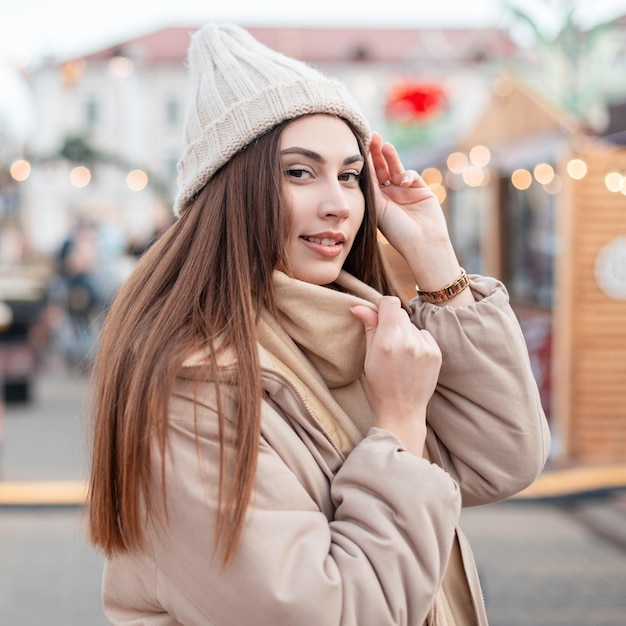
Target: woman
<point x="276" y="440"/>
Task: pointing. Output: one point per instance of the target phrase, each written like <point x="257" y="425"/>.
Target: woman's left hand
<point x="412" y="220"/>
<point x="409" y="214"/>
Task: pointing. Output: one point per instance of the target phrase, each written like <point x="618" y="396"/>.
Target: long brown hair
<point x="205" y="278"/>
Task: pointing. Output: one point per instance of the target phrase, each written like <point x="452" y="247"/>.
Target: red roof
<point x="333" y="44"/>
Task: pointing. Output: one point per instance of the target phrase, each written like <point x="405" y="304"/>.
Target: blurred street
<point x="543" y="562"/>
<point x="48" y="573"/>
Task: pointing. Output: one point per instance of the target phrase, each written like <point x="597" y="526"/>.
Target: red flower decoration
<point x="415" y="102"/>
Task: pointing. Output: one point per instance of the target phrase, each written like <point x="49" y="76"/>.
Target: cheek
<point x="359" y="211"/>
<point x="299" y="206"/>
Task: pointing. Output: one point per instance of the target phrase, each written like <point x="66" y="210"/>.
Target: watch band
<point x="448" y="292"/>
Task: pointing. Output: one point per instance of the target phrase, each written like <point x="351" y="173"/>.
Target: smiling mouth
<point x="323" y="241"/>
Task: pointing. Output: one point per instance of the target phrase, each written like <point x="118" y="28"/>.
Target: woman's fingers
<point x="401" y="367"/>
<point x="378" y="160"/>
<point x="369" y="317"/>
<point x="388" y="165"/>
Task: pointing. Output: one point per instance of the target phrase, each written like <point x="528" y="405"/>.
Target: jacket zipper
<point x="307" y="408"/>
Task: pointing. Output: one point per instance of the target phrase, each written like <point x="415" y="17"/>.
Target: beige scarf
<point x="320" y="345"/>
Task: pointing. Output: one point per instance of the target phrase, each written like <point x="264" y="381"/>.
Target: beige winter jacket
<point x="345" y="527"/>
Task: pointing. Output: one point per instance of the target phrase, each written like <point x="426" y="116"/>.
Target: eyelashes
<point x="300" y="173"/>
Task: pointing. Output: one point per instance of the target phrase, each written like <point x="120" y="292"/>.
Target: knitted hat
<point x="241" y="89"/>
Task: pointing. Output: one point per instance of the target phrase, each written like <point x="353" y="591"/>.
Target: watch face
<point x="611" y="269"/>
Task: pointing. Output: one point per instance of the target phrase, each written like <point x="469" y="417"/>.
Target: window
<point x="465" y="221"/>
<point x="172" y="112"/>
<point x="529" y="244"/>
<point x="91" y="113"/>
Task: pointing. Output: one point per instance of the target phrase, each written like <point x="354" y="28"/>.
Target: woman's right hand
<point x="402" y="366"/>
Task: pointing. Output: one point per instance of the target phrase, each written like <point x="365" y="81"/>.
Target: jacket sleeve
<point x="487" y="426"/>
<point x="376" y="555"/>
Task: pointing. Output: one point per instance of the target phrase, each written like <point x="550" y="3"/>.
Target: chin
<point x="321" y="276"/>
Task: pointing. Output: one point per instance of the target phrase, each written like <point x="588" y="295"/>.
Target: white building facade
<point x="110" y="121"/>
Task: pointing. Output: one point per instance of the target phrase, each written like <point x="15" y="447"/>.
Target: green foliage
<point x="77" y="149"/>
<point x="570" y="64"/>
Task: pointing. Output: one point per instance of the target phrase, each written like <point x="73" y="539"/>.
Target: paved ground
<point x="545" y="562"/>
<point x="542" y="566"/>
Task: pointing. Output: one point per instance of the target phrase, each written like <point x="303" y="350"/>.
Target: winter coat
<point x="345" y="527"/>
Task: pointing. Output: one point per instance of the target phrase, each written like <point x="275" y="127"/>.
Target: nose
<point x="334" y="203"/>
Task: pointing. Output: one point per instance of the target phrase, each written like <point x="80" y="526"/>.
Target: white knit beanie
<point x="241" y="89"/>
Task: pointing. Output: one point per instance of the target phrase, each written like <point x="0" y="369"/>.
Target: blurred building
<point x="109" y="125"/>
<point x="549" y="217"/>
<point x="470" y="110"/>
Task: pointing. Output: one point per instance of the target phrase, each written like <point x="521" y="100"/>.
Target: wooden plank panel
<point x="594" y="354"/>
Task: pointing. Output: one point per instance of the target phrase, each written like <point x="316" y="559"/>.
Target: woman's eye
<point x="298" y="173"/>
<point x="350" y="177"/>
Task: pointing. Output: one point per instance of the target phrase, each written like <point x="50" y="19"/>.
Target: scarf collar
<point x="318" y="319"/>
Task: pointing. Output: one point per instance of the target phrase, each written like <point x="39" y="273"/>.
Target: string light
<point x="20" y="170"/>
<point x="136" y="180"/>
<point x="543" y="173"/>
<point x="480" y="156"/>
<point x="614" y="181"/>
<point x="120" y="67"/>
<point x="439" y="191"/>
<point x="521" y="179"/>
<point x="474" y="176"/>
<point x="432" y="176"/>
<point x="457" y="162"/>
<point x="577" y="169"/>
<point x="554" y="186"/>
<point x="80" y="176"/>
<point x="473" y="172"/>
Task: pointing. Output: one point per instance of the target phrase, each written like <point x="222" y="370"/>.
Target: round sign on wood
<point x="611" y="269"/>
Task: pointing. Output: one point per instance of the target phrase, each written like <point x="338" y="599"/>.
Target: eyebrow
<point x="314" y="156"/>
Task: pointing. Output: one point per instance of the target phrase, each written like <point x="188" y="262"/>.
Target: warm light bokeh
<point x="20" y="170"/>
<point x="80" y="176"/>
<point x="432" y="176"/>
<point x="474" y="176"/>
<point x="544" y="173"/>
<point x="521" y="179"/>
<point x="457" y="162"/>
<point x="120" y="67"/>
<point x="577" y="169"/>
<point x="480" y="155"/>
<point x="137" y="180"/>
<point x="555" y="185"/>
<point x="614" y="181"/>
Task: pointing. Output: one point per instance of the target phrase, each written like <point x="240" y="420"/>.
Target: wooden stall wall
<point x="590" y="314"/>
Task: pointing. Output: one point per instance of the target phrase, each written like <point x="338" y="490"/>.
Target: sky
<point x="33" y="29"/>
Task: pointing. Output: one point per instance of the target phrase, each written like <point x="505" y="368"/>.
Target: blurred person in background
<point x="76" y="296"/>
<point x="278" y="437"/>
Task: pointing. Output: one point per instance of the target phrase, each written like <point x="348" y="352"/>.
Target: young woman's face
<point x="321" y="166"/>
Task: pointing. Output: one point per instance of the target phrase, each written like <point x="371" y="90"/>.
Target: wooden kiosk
<point x="588" y="317"/>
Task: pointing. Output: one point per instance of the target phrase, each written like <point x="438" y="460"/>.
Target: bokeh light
<point x="474" y="176"/>
<point x="432" y="176"/>
<point x="614" y="181"/>
<point x="20" y="170"/>
<point x="554" y="186"/>
<point x="577" y="169"/>
<point x="80" y="176"/>
<point x="136" y="180"/>
<point x="120" y="67"/>
<point x="457" y="162"/>
<point x="480" y="155"/>
<point x="521" y="179"/>
<point x="439" y="191"/>
<point x="543" y="173"/>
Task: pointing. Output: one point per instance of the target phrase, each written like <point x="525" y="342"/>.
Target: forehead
<point x="322" y="133"/>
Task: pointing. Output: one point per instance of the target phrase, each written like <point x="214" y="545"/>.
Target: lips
<point x="325" y="239"/>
